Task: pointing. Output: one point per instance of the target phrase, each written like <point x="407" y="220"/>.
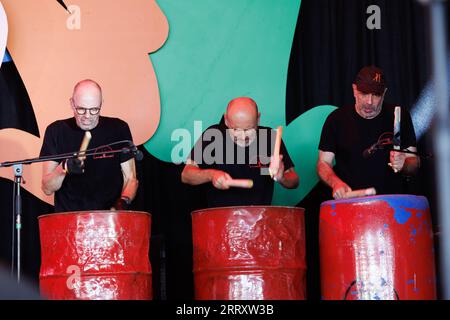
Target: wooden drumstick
<point x="239" y="183"/>
<point x="396" y="138"/>
<point x="84" y="145"/>
<point x="397" y="115"/>
<point x="360" y="193"/>
<point x="276" y="153"/>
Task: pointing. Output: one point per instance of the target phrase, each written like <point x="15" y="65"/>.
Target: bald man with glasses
<point x="100" y="182"/>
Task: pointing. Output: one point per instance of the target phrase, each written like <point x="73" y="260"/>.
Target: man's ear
<point x="259" y="117"/>
<point x="226" y="119"/>
<point x="355" y="89"/>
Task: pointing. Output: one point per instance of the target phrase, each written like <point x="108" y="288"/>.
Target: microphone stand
<point x="17" y="199"/>
<point x="392" y="144"/>
<point x="420" y="155"/>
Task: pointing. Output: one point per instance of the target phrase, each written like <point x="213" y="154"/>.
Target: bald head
<point x="87" y="87"/>
<point x="242" y="117"/>
<point x="242" y="111"/>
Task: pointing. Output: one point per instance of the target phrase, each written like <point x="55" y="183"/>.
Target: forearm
<point x="327" y="174"/>
<point x="53" y="181"/>
<point x="290" y="179"/>
<point x="130" y="188"/>
<point x="194" y="176"/>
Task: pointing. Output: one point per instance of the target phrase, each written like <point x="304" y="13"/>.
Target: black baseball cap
<point x="370" y="79"/>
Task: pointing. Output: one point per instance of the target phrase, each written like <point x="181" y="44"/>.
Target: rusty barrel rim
<point x="247" y="207"/>
<point x="88" y="212"/>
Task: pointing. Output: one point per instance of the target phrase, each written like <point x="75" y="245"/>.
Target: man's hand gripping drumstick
<point x="222" y="180"/>
<point x="76" y="165"/>
<point x="276" y="168"/>
<point x="397" y="159"/>
<point x="360" y="193"/>
<point x="84" y="145"/>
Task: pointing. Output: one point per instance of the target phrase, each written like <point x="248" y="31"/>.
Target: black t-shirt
<point x="347" y="135"/>
<point x="250" y="162"/>
<point x="101" y="183"/>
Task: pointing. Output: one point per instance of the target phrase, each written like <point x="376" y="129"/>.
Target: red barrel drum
<point x="377" y="248"/>
<point x="249" y="253"/>
<point x="96" y="255"/>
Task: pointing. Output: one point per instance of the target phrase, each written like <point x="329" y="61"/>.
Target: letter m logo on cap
<point x="377" y="77"/>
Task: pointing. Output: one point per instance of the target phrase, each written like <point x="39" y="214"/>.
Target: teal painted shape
<point x="216" y="51"/>
<point x="302" y="138"/>
<point x="219" y="50"/>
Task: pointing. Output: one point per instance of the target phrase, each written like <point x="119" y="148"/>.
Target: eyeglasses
<point x="81" y="111"/>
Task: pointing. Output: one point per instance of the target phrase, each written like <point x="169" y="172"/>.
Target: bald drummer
<point x="88" y="183"/>
<point x="233" y="158"/>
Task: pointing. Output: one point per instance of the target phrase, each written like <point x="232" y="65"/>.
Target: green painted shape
<point x="302" y="138"/>
<point x="218" y="50"/>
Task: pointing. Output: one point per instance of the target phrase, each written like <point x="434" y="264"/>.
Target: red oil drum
<point x="377" y="248"/>
<point x="249" y="253"/>
<point x="96" y="255"/>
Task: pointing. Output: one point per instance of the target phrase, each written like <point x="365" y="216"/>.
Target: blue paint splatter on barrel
<point x="401" y="215"/>
<point x="398" y="202"/>
<point x="333" y="210"/>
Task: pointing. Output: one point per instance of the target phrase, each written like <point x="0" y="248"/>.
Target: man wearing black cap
<point x="350" y="131"/>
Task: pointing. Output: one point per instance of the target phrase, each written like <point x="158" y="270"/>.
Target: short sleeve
<point x="288" y="164"/>
<point x="197" y="153"/>
<point x="328" y="136"/>
<point x="125" y="134"/>
<point x="49" y="146"/>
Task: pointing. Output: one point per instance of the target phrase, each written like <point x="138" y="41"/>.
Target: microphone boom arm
<point x="63" y="156"/>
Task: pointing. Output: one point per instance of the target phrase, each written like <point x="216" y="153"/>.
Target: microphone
<point x="137" y="154"/>
<point x="370" y="150"/>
